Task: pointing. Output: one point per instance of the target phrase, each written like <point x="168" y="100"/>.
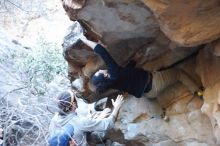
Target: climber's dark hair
<point x="64" y="102"/>
<point x="102" y="84"/>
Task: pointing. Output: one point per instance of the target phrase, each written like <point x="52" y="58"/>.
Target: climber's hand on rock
<point x="118" y="102"/>
<point x="82" y="37"/>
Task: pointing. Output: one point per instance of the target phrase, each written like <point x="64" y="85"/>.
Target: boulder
<point x="208" y="69"/>
<point x="216" y="49"/>
<point x="186" y="121"/>
<point x="208" y="66"/>
<point x="173" y="36"/>
<point x="187" y="23"/>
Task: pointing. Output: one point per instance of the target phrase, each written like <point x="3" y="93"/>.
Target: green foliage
<point x="42" y="65"/>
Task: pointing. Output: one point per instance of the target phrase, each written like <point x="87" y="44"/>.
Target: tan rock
<point x="186" y="121"/>
<point x="217" y="133"/>
<point x="177" y="99"/>
<point x="167" y="58"/>
<point x="180" y="128"/>
<point x="124" y="31"/>
<point x="211" y="108"/>
<point x="188" y="23"/>
<point x="208" y="67"/>
<point x="163" y="53"/>
<point x="117" y="20"/>
<point x="216" y="49"/>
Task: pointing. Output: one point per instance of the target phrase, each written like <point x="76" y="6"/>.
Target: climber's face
<point x="104" y="72"/>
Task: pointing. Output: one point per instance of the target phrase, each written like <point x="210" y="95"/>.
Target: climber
<point x="78" y="125"/>
<point x="62" y="136"/>
<point x="135" y="81"/>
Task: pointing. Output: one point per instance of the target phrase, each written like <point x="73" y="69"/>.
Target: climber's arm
<point x="101" y="51"/>
<point x="89" y="43"/>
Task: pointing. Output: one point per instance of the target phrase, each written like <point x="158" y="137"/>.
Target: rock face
<point x="188" y="23"/>
<point x="186" y="121"/>
<point x="121" y="28"/>
<point x="208" y="69"/>
<point x="217" y="48"/>
<point x="168" y="34"/>
<point x="179" y="128"/>
<point x="208" y="66"/>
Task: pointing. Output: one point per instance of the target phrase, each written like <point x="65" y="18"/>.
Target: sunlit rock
<point x="208" y="66"/>
<point x="208" y="69"/>
<point x="211" y="108"/>
<point x="117" y="20"/>
<point x="188" y="23"/>
<point x="216" y="49"/>
<point x="186" y="121"/>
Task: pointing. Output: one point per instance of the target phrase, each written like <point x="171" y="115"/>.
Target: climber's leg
<point x="161" y="80"/>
